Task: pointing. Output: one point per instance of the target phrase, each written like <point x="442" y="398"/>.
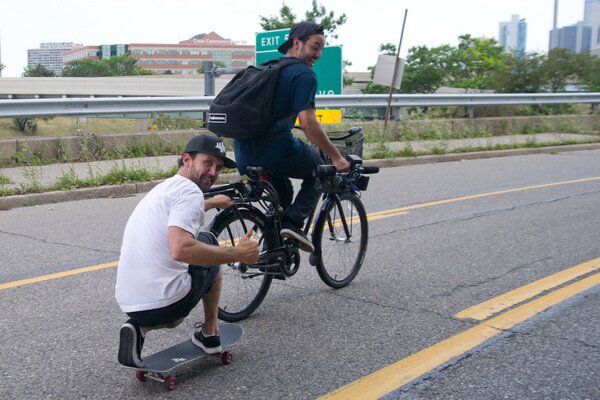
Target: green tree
<point x="37" y="71"/>
<point x="123" y="65"/>
<point x="28" y="124"/>
<point x="473" y="62"/>
<point x="520" y="74"/>
<point x="285" y="20"/>
<point x="317" y="14"/>
<point x="590" y="74"/>
<point x="326" y="19"/>
<point x="426" y="69"/>
<point x="560" y="67"/>
<point x="86" y="67"/>
<point x="2" y="67"/>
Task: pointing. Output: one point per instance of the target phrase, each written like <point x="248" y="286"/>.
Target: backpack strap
<point x="279" y="62"/>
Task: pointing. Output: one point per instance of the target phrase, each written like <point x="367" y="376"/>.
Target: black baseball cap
<point x="300" y="30"/>
<point x="212" y="145"/>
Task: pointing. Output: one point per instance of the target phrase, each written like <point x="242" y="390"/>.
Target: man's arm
<point x="184" y="247"/>
<point x="219" y="201"/>
<point x="315" y="133"/>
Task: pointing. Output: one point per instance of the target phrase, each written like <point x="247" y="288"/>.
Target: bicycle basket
<point x="352" y="145"/>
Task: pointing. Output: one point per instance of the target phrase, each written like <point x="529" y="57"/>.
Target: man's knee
<point x="207" y="237"/>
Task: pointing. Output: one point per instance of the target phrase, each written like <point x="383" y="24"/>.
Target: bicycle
<point x="339" y="231"/>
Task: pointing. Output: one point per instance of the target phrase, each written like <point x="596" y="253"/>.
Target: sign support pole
<point x="389" y="103"/>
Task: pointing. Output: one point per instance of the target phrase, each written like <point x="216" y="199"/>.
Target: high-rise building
<point x="591" y="18"/>
<point x="575" y="38"/>
<point x="512" y="35"/>
<point x="184" y="58"/>
<point x="582" y="36"/>
<point x="49" y="55"/>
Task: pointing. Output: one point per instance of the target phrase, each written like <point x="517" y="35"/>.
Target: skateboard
<point x="160" y="366"/>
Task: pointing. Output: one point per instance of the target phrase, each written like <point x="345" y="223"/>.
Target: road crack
<point x="69" y="245"/>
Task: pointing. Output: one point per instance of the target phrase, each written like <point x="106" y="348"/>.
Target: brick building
<point x="184" y="58"/>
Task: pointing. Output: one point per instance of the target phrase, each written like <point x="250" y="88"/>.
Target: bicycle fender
<point x="230" y="210"/>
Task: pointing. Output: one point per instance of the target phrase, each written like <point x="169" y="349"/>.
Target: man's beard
<point x="306" y="58"/>
<point x="203" y="181"/>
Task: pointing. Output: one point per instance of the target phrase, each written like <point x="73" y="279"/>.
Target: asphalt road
<point x="443" y="237"/>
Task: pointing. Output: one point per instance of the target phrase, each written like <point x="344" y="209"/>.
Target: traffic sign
<point x="271" y="40"/>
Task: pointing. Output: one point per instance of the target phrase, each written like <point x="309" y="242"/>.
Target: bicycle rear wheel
<point x="244" y="287"/>
<point x="340" y="237"/>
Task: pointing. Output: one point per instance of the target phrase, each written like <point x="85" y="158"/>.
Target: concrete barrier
<point x="90" y="147"/>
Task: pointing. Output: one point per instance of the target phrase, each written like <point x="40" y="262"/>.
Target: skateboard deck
<point x="159" y="365"/>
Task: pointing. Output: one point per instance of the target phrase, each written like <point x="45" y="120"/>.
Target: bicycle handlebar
<point x="324" y="170"/>
<point x="370" y="170"/>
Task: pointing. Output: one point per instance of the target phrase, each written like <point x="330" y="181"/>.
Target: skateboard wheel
<point x="170" y="382"/>
<point x="227" y="357"/>
<point x="140" y="376"/>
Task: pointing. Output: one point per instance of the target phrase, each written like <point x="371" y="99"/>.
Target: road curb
<point x="429" y="159"/>
<point x="130" y="189"/>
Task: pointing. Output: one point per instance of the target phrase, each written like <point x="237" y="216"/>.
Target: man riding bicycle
<point x="284" y="155"/>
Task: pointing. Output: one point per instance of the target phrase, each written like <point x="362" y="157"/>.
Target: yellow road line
<point x="56" y="275"/>
<point x="372" y="217"/>
<point x="407" y="370"/>
<point x="488" y="308"/>
<point x="478" y="196"/>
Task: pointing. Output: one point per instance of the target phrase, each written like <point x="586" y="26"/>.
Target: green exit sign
<point x="271" y="40"/>
<point x="328" y="68"/>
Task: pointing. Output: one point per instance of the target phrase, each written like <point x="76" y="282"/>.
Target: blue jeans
<point x="298" y="210"/>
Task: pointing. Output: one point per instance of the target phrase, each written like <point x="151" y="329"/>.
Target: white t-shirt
<point x="147" y="276"/>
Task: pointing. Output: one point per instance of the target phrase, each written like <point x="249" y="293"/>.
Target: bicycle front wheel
<point x="244" y="287"/>
<point x="340" y="237"/>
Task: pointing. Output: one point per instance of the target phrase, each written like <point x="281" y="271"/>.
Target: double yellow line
<point x="371" y="217"/>
<point x="396" y="375"/>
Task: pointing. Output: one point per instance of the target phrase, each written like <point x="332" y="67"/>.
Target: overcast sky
<point x="24" y="24"/>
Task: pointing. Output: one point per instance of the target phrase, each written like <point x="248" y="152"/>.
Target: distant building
<point x="512" y="35"/>
<point x="49" y="55"/>
<point x="184" y="58"/>
<point x="575" y="38"/>
<point x="591" y="18"/>
<point x="581" y="37"/>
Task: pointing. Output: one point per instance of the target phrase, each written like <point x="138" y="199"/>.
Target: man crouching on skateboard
<point x="166" y="264"/>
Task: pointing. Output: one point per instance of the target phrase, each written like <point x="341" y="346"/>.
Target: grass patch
<point x="529" y="144"/>
<point x="116" y="176"/>
<point x="382" y="151"/>
<point x="4" y="180"/>
<point x="69" y="126"/>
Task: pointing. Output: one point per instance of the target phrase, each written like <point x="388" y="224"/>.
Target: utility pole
<point x="554" y="35"/>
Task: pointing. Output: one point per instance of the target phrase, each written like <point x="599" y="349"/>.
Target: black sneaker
<point x="210" y="344"/>
<point x="298" y="236"/>
<point x="130" y="345"/>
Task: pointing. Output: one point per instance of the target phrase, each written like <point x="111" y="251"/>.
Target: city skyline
<point x="158" y="21"/>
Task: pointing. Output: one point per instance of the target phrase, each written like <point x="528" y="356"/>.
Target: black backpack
<point x="242" y="110"/>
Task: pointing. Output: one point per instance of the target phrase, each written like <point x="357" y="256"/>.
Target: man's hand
<point x="218" y="201"/>
<point x="341" y="164"/>
<point x="248" y="248"/>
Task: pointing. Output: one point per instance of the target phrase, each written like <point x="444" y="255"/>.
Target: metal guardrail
<point x="133" y="105"/>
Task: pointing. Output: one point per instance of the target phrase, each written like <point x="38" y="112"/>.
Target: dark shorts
<point x="202" y="280"/>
